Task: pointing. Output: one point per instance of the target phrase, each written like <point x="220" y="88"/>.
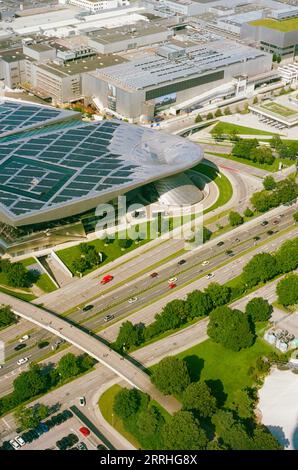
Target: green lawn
<point x="228" y="128"/>
<point x="280" y="25"/>
<point x="224" y="186"/>
<point x="27" y="297"/>
<point x="105" y="404"/>
<point x="110" y="253"/>
<point x="45" y="283"/>
<point x="226" y="371"/>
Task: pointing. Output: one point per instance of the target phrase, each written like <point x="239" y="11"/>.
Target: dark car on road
<point x="87" y="307"/>
<point x="182" y="261"/>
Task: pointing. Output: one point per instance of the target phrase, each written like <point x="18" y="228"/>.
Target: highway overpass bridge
<point x="92" y="345"/>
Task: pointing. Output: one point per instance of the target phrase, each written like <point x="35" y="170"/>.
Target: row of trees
<point x="6" y="316"/>
<point x="265" y="266"/>
<point x="219" y="112"/>
<point x="175" y="314"/>
<point x="282" y="192"/>
<point x="39" y="380"/>
<point x="288" y="149"/>
<point x="202" y="422"/>
<point x="16" y="274"/>
<point x="261" y="268"/>
<point x="251" y="150"/>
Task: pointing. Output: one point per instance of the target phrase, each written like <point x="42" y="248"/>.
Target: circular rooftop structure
<point x="70" y="167"/>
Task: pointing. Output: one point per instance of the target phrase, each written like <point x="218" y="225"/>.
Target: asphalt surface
<point x="148" y="290"/>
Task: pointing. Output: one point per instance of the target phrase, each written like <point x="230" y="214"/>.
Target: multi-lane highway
<point x="148" y="290"/>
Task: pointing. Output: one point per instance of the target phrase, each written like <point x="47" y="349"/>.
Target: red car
<point x="153" y="274"/>
<point x="85" y="431"/>
<point x="107" y="279"/>
<point x="172" y="285"/>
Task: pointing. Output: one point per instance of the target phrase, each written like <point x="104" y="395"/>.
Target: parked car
<point x="101" y="447"/>
<point x="18" y="347"/>
<point x="87" y="307"/>
<point x="23" y="360"/>
<point x="24" y="338"/>
<point x="82" y="446"/>
<point x="109" y="317"/>
<point x="82" y="401"/>
<point x="85" y="431"/>
<point x="107" y="278"/>
<point x="15" y="445"/>
<point x="20" y="440"/>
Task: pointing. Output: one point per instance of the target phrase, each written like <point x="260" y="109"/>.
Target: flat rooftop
<point x="112" y="35"/>
<point x="154" y="69"/>
<point x="284" y="26"/>
<point x="82" y="65"/>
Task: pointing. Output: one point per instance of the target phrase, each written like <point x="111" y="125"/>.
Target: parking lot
<point x="61" y="431"/>
<point x="49" y="439"/>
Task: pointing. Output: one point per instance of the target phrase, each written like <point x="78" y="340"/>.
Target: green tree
<point x="30" y="417"/>
<point x="262" y="439"/>
<point x="219" y="295"/>
<point x="269" y="183"/>
<point x="198" y="397"/>
<point x="150" y="421"/>
<point x="80" y="265"/>
<point x="123" y="243"/>
<point x="67" y="366"/>
<point x="127" y="402"/>
<point x="182" y="432"/>
<point x="171" y="376"/>
<point x="129" y="335"/>
<point x="258" y="309"/>
<point x="262" y="201"/>
<point x="209" y="116"/>
<point x="198" y="118"/>
<point x="248" y="212"/>
<point x="255" y="100"/>
<point x="30" y="383"/>
<point x="276" y="142"/>
<point x="18" y="276"/>
<point x="295" y="217"/>
<point x="244" y="147"/>
<point x="218" y="112"/>
<point x="287" y="290"/>
<point x="261" y="268"/>
<point x="6" y="316"/>
<point x="231" y="328"/>
<point x="200" y="303"/>
<point x="287" y="256"/>
<point x="231" y="432"/>
<point x="227" y="111"/>
<point x="235" y="219"/>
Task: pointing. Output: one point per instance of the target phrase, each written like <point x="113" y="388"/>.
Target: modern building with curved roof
<point x="56" y="172"/>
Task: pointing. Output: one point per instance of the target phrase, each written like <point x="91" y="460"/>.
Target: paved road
<point x="148" y="290"/>
<point x="91" y="345"/>
<point x="93" y="384"/>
